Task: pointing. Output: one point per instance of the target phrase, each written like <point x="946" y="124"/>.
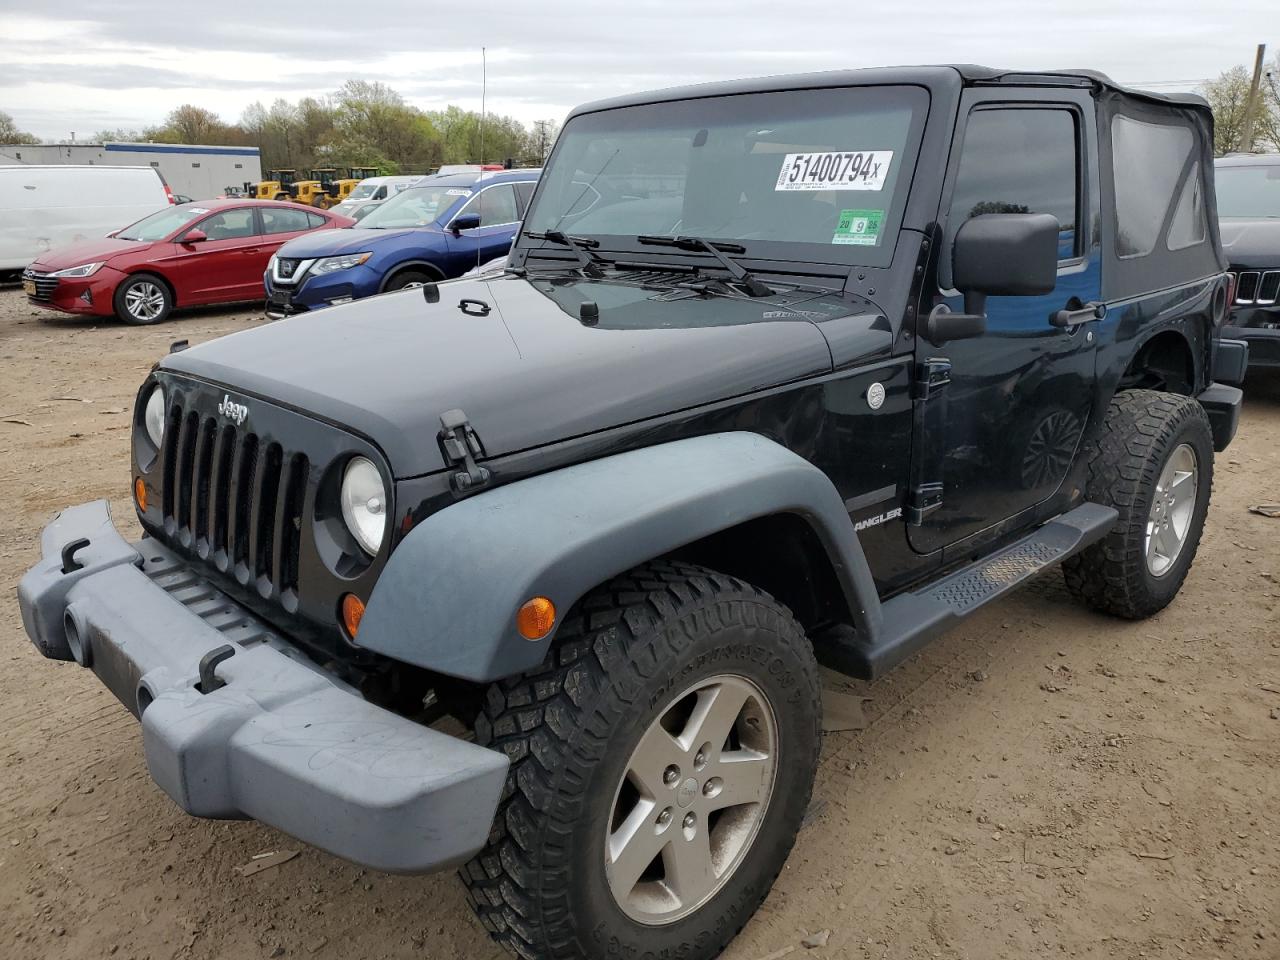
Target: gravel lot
<point x="1043" y="782"/>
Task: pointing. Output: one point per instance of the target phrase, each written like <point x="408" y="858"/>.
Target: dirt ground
<point x="1043" y="782"/>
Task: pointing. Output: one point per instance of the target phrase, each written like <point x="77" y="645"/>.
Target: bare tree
<point x="9" y="132"/>
<point x="1228" y="95"/>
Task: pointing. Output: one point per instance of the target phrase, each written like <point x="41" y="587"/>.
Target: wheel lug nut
<point x="671" y="775"/>
<point x="664" y="817"/>
<point x="689" y="821"/>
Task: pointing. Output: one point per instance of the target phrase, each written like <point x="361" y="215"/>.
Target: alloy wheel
<point x="144" y="301"/>
<point x="691" y="801"/>
<point x="1172" y="510"/>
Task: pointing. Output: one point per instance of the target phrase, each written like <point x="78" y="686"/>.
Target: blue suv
<point x="437" y="229"/>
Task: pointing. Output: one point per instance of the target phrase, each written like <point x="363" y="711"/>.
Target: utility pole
<point x="1251" y="105"/>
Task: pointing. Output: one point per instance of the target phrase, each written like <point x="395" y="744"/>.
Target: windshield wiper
<point x="581" y="247"/>
<point x="754" y="287"/>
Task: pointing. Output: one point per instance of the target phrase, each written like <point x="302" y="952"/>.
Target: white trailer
<point x="194" y="170"/>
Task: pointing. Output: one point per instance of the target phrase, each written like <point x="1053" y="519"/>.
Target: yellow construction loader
<point x="277" y="186"/>
<point x="318" y="191"/>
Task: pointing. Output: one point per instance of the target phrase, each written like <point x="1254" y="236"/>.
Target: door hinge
<point x="461" y="446"/>
<point x="922" y="501"/>
<point x="932" y="377"/>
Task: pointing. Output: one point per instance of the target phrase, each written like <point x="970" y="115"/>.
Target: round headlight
<point x="153" y="416"/>
<point x="364" y="503"/>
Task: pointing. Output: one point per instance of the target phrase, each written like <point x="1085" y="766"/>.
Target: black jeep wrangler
<point x="781" y="372"/>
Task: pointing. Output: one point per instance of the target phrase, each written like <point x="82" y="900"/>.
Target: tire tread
<point x="552" y="722"/>
<point x="1123" y="466"/>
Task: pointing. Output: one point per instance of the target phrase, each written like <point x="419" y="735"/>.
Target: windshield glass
<point x="415" y="207"/>
<point x="817" y="175"/>
<point x="363" y="191"/>
<point x="160" y="225"/>
<point x="1252" y="191"/>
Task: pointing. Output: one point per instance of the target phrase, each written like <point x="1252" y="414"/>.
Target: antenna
<point x="484" y="88"/>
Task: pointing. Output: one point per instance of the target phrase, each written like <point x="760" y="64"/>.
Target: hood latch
<point x="461" y="446"/>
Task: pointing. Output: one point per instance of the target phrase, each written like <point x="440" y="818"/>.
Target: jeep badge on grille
<point x="232" y="410"/>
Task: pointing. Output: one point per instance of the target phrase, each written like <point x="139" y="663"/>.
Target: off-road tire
<point x="119" y="299"/>
<point x="539" y="886"/>
<point x="1141" y="431"/>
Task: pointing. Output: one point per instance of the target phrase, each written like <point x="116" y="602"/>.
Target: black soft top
<point x="948" y="75"/>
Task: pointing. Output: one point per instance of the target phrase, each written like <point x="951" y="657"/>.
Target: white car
<point x="42" y="207"/>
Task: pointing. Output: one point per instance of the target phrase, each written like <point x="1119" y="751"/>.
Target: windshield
<point x="363" y="191"/>
<point x="415" y="207"/>
<point x="817" y="175"/>
<point x="160" y="225"/>
<point x="1252" y="191"/>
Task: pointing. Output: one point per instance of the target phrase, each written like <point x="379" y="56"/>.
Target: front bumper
<point x="84" y="295"/>
<point x="1264" y="342"/>
<point x="274" y="737"/>
<point x="316" y="292"/>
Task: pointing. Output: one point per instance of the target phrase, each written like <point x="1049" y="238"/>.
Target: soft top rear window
<point x="809" y="175"/>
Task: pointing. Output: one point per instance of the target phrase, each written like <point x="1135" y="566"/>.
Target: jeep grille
<point x="1254" y="287"/>
<point x="235" y="501"/>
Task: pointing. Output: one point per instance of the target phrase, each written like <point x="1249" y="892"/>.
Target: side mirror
<point x="195" y="236"/>
<point x="997" y="255"/>
<point x="468" y="221"/>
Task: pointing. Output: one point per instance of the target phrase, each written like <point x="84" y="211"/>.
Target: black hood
<point x="1251" y="244"/>
<point x="530" y="372"/>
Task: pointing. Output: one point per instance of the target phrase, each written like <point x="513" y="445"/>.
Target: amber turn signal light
<point x="352" y="614"/>
<point x="536" y="618"/>
<point x="140" y="493"/>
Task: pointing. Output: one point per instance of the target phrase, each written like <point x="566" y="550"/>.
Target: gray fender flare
<point x="448" y="596"/>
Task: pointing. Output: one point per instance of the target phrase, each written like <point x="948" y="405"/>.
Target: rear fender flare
<point x="448" y="596"/>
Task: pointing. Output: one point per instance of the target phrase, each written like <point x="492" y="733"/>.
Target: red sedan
<point x="213" y="251"/>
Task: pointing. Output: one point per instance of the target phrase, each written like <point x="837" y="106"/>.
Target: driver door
<point x="997" y="440"/>
<point x="225" y="266"/>
<point x="499" y="220"/>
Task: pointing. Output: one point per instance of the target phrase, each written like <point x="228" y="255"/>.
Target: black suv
<point x="780" y="372"/>
<point x="1248" y="191"/>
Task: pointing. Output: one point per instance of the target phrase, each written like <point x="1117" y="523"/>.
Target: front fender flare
<point x="448" y="597"/>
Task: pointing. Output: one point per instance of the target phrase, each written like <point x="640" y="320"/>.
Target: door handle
<point x="1076" y="313"/>
<point x="249" y="250"/>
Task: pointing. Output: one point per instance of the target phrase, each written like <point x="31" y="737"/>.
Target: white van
<point x="42" y="207"/>
<point x="368" y="193"/>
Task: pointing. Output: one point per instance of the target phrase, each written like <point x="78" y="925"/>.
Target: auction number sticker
<point x="859" y="227"/>
<point x="850" y="170"/>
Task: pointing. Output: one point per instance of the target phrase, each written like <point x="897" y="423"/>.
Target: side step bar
<point x="911" y="620"/>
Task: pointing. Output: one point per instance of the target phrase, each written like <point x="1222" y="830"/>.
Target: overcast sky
<point x="88" y="64"/>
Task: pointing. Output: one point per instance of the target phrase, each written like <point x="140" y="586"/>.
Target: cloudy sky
<point x="85" y="65"/>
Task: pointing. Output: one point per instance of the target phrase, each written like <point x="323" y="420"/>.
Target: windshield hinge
<point x="922" y="501"/>
<point x="461" y="446"/>
<point x="932" y="377"/>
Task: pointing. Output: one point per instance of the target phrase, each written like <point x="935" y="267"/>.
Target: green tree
<point x="372" y="124"/>
<point x="9" y="132"/>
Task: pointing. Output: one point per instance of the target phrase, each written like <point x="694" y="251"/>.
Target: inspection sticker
<point x="852" y="170"/>
<point x="457" y="193"/>
<point x="860" y="227"/>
